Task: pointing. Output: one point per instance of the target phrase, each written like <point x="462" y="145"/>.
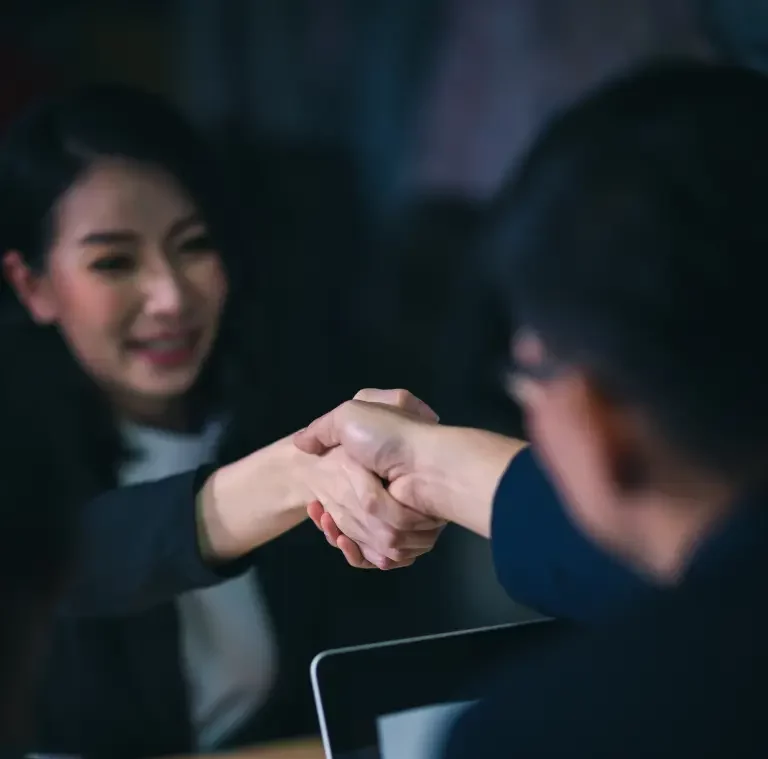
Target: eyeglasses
<point x="530" y="364"/>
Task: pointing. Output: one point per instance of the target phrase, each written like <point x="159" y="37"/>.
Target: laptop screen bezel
<point x="355" y="686"/>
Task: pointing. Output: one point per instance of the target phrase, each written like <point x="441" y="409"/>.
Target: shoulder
<point x="544" y="561"/>
<point x="682" y="678"/>
<point x="47" y="425"/>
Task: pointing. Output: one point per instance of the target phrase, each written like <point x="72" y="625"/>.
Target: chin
<point x="170" y="388"/>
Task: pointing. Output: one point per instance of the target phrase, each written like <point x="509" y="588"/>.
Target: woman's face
<point x="133" y="282"/>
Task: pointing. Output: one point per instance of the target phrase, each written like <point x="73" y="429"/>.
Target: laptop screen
<point x="396" y="700"/>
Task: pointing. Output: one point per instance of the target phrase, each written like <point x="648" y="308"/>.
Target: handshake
<point x="378" y="475"/>
<point x="397" y="477"/>
<point x="374" y="439"/>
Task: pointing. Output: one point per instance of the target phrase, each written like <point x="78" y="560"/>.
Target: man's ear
<point x="31" y="288"/>
<point x="621" y="440"/>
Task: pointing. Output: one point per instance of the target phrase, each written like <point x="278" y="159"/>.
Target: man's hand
<point x="385" y="533"/>
<point x="374" y="430"/>
<point x="445" y="473"/>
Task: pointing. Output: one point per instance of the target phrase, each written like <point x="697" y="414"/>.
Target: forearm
<point x="252" y="501"/>
<point x="456" y="472"/>
<point x="145" y="544"/>
<point x="138" y="547"/>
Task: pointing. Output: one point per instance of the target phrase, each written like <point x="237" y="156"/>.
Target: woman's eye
<point x="199" y="244"/>
<point x="113" y="263"/>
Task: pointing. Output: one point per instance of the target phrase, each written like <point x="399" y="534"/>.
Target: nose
<point x="164" y="292"/>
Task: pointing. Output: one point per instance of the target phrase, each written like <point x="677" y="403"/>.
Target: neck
<point x="164" y="414"/>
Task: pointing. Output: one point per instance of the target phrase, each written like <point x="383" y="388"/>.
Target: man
<point x="632" y="246"/>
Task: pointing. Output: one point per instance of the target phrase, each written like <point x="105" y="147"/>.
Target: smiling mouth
<point x="167" y="351"/>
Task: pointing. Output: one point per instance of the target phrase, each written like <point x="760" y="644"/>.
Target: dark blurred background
<point x="366" y="137"/>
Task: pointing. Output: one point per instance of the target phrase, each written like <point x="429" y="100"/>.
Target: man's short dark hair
<point x="635" y="241"/>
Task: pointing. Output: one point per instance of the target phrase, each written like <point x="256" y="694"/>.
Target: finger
<point x="318" y="437"/>
<point x="402" y="564"/>
<point x="315" y="511"/>
<point x="352" y="554"/>
<point x="375" y="559"/>
<point x="331" y="530"/>
<point x="415" y="544"/>
<point x="405" y="554"/>
<point x="384" y="507"/>
<point x="362" y="552"/>
<point x="404" y="490"/>
<point x="401" y="399"/>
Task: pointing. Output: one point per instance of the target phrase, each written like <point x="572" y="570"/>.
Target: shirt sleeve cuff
<point x="206" y="571"/>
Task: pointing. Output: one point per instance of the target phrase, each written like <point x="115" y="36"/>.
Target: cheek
<point x="209" y="281"/>
<point x="565" y="447"/>
<point x="89" y="311"/>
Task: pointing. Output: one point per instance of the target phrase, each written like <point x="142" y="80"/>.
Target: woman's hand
<point x="256" y="499"/>
<point x="382" y="453"/>
<point x="384" y="533"/>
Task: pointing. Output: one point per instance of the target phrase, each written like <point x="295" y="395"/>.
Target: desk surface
<point x="310" y="748"/>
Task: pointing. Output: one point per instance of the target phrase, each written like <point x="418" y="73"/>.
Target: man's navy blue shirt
<point x="645" y="672"/>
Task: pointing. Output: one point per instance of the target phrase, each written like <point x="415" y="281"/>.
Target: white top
<point x="227" y="642"/>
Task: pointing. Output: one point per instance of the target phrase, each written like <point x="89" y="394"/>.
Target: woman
<point x="122" y="319"/>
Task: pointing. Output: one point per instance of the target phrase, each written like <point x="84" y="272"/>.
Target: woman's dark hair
<point x="43" y="153"/>
<point x="37" y="545"/>
<point x="634" y="240"/>
<point x="57" y="139"/>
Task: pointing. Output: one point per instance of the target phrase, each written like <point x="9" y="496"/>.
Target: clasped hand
<point x="360" y="509"/>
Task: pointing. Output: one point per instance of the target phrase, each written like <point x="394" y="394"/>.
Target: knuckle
<point x="370" y="557"/>
<point x="401" y="398"/>
<point x="378" y="540"/>
<point x="369" y="502"/>
<point x="398" y="397"/>
<point x="391" y="545"/>
<point x="399" y="555"/>
<point x="346" y="407"/>
<point x="402" y="521"/>
<point x="390" y="540"/>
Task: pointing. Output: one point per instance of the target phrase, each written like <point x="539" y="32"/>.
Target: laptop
<point x="397" y="700"/>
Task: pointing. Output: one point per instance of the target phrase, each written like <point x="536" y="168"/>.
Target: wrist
<point x="248" y="503"/>
<point x="455" y="473"/>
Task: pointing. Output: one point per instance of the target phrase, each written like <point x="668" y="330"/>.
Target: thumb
<point x="400" y="399"/>
<point x="321" y="435"/>
<point x="405" y="490"/>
